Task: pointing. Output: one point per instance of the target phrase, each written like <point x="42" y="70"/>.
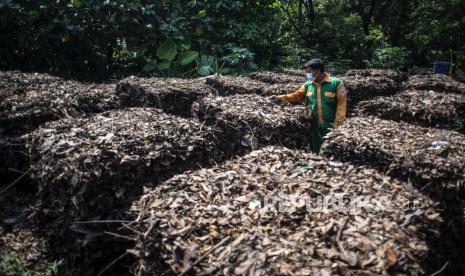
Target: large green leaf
<point x="149" y="67"/>
<point x="188" y="57"/>
<point x="164" y="65"/>
<point x="167" y="50"/>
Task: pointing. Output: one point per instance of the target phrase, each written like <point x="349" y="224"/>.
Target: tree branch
<point x="298" y="30"/>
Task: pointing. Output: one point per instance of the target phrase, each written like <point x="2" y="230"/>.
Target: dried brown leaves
<point x="424" y="155"/>
<point x="274" y="78"/>
<point x="52" y="99"/>
<point x="30" y="250"/>
<point x="90" y="164"/>
<point x="14" y="83"/>
<point x="169" y="94"/>
<point x="436" y="82"/>
<point x="214" y="221"/>
<point x="250" y="122"/>
<point x="226" y="85"/>
<point x="369" y="87"/>
<point x="426" y="108"/>
<point x="384" y="73"/>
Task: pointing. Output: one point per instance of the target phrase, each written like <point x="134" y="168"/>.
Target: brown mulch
<point x="92" y="168"/>
<point x="15" y="83"/>
<point x="395" y="75"/>
<point x="89" y="165"/>
<point x="274" y="78"/>
<point x="424" y="108"/>
<point x="250" y="121"/>
<point x="224" y="220"/>
<point x="34" y="103"/>
<point x="436" y="82"/>
<point x="363" y="88"/>
<point x="228" y="85"/>
<point x="425" y="156"/>
<point x="169" y="94"/>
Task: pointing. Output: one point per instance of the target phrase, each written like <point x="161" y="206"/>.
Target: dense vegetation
<point x="111" y="38"/>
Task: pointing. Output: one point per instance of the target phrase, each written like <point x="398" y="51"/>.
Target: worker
<point x="326" y="99"/>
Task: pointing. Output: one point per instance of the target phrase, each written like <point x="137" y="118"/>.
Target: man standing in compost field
<point x="326" y="98"/>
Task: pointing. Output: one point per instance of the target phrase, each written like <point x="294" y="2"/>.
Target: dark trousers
<point x="317" y="133"/>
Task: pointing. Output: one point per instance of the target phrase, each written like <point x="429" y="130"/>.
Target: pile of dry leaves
<point x="426" y="108"/>
<point x="383" y="73"/>
<point x="422" y="155"/>
<point x="227" y="85"/>
<point x="368" y="87"/>
<point x="45" y="101"/>
<point x="274" y="78"/>
<point x="169" y="94"/>
<point x="250" y="121"/>
<point x="92" y="168"/>
<point x="292" y="72"/>
<point x="436" y="82"/>
<point x="90" y="165"/>
<point x="280" y="211"/>
<point x="14" y="83"/>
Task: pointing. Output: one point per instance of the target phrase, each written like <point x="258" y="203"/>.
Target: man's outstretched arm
<point x="296" y="96"/>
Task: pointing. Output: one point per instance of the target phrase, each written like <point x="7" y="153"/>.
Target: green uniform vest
<point x="321" y="101"/>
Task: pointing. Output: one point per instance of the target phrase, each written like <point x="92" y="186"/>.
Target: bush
<point x="390" y="57"/>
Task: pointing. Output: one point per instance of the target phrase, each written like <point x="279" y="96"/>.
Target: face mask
<point x="309" y="76"/>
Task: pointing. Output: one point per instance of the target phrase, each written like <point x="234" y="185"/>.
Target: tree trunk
<point x="367" y="18"/>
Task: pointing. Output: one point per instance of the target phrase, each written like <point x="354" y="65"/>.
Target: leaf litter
<point x="425" y="156"/>
<point x="250" y="122"/>
<point x="218" y="220"/>
<point x="424" y="108"/>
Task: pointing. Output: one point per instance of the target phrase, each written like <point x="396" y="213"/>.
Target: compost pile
<point x="281" y="88"/>
<point x="226" y="85"/>
<point x="436" y="82"/>
<point x="383" y="73"/>
<point x="15" y="82"/>
<point x="42" y="102"/>
<point x="423" y="155"/>
<point x="223" y="220"/>
<point x="368" y="87"/>
<point x="91" y="151"/>
<point x="250" y="122"/>
<point x="169" y="94"/>
<point x="293" y="72"/>
<point x="274" y="78"/>
<point x="426" y="108"/>
<point x="90" y="165"/>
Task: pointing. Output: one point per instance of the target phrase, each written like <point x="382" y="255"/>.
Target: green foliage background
<point x="106" y="39"/>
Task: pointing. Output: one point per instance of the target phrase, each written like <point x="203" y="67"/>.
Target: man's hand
<point x="279" y="99"/>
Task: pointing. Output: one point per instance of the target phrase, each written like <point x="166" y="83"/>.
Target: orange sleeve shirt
<point x="296" y="96"/>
